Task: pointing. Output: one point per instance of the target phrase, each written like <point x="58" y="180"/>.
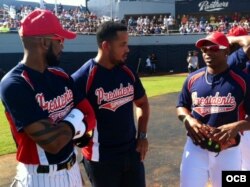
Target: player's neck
<point x="217" y="70"/>
<point x="103" y="61"/>
<point x="34" y="63"/>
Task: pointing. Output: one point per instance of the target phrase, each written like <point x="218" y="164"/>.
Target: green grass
<point x="155" y="85"/>
<point x="159" y="85"/>
<point x="7" y="144"/>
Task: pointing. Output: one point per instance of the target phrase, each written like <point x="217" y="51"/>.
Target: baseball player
<point x="215" y="96"/>
<point x="40" y="104"/>
<point x="114" y="157"/>
<point x="239" y="57"/>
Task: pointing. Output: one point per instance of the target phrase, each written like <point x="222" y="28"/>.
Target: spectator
<point x="148" y="65"/>
<point x="154" y="61"/>
<point x="212" y="19"/>
<point x="192" y="61"/>
<point x="170" y="22"/>
<point x="184" y="19"/>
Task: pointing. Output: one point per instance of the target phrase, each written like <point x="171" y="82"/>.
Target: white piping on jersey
<point x="95" y="148"/>
<point x="42" y="156"/>
<point x="209" y="83"/>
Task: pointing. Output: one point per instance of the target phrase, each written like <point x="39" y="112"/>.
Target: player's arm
<point x="192" y="125"/>
<point x="142" y="114"/>
<point x="183" y="110"/>
<point x="243" y="41"/>
<point x="51" y="137"/>
<point x="230" y="130"/>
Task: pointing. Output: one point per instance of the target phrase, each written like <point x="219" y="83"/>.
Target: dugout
<point x="171" y="51"/>
<point x="171" y="58"/>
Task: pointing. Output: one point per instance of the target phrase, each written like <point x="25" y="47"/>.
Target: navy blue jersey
<point x="111" y="94"/>
<point x="247" y="69"/>
<point x="238" y="59"/>
<point x="216" y="99"/>
<point x="29" y="96"/>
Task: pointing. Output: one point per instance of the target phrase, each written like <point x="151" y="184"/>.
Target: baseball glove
<point x="84" y="140"/>
<point x="213" y="145"/>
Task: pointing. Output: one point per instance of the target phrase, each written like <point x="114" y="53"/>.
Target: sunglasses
<point x="213" y="48"/>
<point x="58" y="38"/>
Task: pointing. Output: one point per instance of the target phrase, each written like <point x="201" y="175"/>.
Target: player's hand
<point x="83" y="140"/>
<point x="193" y="127"/>
<point x="142" y="147"/>
<point x="225" y="132"/>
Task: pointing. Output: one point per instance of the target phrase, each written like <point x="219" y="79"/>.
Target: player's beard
<point x="52" y="59"/>
<point x="113" y="60"/>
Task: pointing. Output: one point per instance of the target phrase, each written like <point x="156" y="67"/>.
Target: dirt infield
<point x="166" y="141"/>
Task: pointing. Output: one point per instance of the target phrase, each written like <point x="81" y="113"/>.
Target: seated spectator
<point x="183" y="29"/>
<point x="202" y="20"/>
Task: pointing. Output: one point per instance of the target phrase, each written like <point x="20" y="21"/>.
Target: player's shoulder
<point x="14" y="74"/>
<point x="240" y="77"/>
<point x="196" y="74"/>
<point x="129" y="71"/>
<point x="237" y="59"/>
<point x="91" y="63"/>
<point x="238" y="72"/>
<point x="85" y="69"/>
<point x="13" y="80"/>
<point x="58" y="72"/>
<point x="193" y="77"/>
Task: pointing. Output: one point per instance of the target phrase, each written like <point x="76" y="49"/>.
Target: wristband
<point x="75" y="120"/>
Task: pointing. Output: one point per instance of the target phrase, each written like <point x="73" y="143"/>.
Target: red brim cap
<point x="237" y="31"/>
<point x="66" y="34"/>
<point x="217" y="38"/>
<point x="43" y="22"/>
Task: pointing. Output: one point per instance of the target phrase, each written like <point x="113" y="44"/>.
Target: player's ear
<point x="105" y="45"/>
<point x="45" y="43"/>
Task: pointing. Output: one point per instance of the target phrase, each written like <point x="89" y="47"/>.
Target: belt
<point x="66" y="165"/>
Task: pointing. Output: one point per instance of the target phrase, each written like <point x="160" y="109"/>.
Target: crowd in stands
<point x="192" y="24"/>
<point x="85" y="22"/>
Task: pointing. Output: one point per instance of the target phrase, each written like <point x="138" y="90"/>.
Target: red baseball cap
<point x="218" y="38"/>
<point x="237" y="31"/>
<point x="43" y="22"/>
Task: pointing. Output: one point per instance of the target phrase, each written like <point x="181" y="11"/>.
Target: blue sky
<point x="64" y="2"/>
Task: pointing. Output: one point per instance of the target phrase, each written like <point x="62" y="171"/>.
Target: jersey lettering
<point x="55" y="105"/>
<point x="213" y="104"/>
<point x="115" y="98"/>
